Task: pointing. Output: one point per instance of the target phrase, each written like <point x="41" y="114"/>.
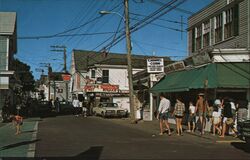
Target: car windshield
<point x="114" y="105"/>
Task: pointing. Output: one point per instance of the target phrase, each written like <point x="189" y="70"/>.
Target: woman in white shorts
<point x="216" y="118"/>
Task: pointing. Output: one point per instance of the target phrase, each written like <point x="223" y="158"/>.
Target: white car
<point x="109" y="109"/>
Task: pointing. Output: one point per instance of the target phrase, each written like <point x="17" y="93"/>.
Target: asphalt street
<point x="98" y="138"/>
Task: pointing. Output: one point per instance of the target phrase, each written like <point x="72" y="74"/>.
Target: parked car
<point x="41" y="108"/>
<point x="66" y="107"/>
<point x="108" y="109"/>
<point x="244" y="130"/>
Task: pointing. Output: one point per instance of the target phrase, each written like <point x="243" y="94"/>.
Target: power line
<point x="63" y="35"/>
<point x="147" y="20"/>
<point x="174" y="29"/>
<point x="178" y="9"/>
<point x="166" y="20"/>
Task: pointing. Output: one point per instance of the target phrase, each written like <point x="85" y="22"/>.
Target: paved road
<point x="22" y="145"/>
<point x="97" y="138"/>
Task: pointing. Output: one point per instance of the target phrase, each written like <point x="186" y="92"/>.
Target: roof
<point x="83" y="59"/>
<point x="7" y="23"/>
<point x="217" y="75"/>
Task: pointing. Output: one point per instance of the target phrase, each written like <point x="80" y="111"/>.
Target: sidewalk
<point x="152" y="127"/>
<point x="22" y="145"/>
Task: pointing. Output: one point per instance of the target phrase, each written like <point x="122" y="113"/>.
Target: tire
<point x="103" y="115"/>
<point x="247" y="140"/>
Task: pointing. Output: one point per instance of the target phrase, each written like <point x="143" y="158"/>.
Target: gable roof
<point x="83" y="59"/>
<point x="7" y="23"/>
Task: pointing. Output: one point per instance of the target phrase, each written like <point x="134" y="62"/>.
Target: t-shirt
<point x="216" y="114"/>
<point x="192" y="109"/>
<point x="76" y="103"/>
<point x="164" y="105"/>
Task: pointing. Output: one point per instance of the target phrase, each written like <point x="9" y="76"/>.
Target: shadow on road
<point x="242" y="146"/>
<point x="92" y="153"/>
<point x="18" y="144"/>
<point x="31" y="131"/>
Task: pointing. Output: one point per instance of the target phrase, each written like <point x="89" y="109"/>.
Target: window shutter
<point x="236" y="20"/>
<point x="193" y="40"/>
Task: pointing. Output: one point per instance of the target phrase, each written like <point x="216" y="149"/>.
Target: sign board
<point x="175" y="67"/>
<point x="155" y="65"/>
<point x="201" y="58"/>
<point x="108" y="88"/>
<point x="66" y="77"/>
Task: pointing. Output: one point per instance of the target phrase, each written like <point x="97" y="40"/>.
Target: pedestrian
<point x="216" y="119"/>
<point x="57" y="105"/>
<point x="200" y="110"/>
<point x="241" y="106"/>
<point x="76" y="105"/>
<point x="17" y="120"/>
<point x="163" y="114"/>
<point x="179" y="110"/>
<point x="191" y="117"/>
<point x="228" y="118"/>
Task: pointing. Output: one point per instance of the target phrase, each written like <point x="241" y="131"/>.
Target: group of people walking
<point x="221" y="114"/>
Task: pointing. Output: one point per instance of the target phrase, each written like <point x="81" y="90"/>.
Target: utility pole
<point x="128" y="41"/>
<point x="49" y="72"/>
<point x="63" y="49"/>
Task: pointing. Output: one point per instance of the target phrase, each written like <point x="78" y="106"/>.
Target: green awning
<point x="217" y="75"/>
<point x="233" y="75"/>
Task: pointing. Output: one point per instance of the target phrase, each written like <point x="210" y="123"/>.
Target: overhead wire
<point x="144" y="22"/>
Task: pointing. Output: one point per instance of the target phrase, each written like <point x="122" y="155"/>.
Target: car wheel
<point x="103" y="115"/>
<point x="247" y="140"/>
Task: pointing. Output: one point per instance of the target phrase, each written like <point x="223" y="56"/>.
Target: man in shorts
<point x="162" y="115"/>
<point x="200" y="110"/>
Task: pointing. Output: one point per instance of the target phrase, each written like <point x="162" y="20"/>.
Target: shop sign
<point x="201" y="58"/>
<point x="175" y="67"/>
<point x="66" y="77"/>
<point x="155" y="65"/>
<point x="102" y="88"/>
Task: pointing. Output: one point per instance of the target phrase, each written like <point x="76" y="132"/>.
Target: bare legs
<point x="166" y="124"/>
<point x="179" y="126"/>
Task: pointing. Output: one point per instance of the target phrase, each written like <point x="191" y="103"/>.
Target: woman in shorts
<point x="216" y="119"/>
<point x="179" y="110"/>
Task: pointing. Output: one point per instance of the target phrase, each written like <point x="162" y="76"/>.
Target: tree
<point x="23" y="75"/>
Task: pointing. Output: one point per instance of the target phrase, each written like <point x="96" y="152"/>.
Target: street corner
<point x="21" y="145"/>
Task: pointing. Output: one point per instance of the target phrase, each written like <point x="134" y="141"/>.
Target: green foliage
<point x="24" y="75"/>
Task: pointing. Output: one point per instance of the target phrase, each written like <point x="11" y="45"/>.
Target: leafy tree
<point x="23" y="75"/>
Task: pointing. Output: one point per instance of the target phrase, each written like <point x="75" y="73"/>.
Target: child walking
<point x="17" y="121"/>
<point x="191" y="118"/>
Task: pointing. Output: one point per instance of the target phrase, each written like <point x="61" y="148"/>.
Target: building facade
<point x="218" y="62"/>
<point x="220" y="33"/>
<point x="103" y="77"/>
<point x="8" y="47"/>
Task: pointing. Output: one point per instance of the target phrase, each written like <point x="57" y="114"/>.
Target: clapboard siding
<point x="240" y="41"/>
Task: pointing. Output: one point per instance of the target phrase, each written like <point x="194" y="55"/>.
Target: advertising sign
<point x="155" y="65"/>
<point x="66" y="77"/>
<point x="108" y="88"/>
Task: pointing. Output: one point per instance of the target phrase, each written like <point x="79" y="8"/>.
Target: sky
<point x="39" y="21"/>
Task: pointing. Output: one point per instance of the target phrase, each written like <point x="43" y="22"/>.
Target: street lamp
<point x="110" y="12"/>
<point x="128" y="41"/>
